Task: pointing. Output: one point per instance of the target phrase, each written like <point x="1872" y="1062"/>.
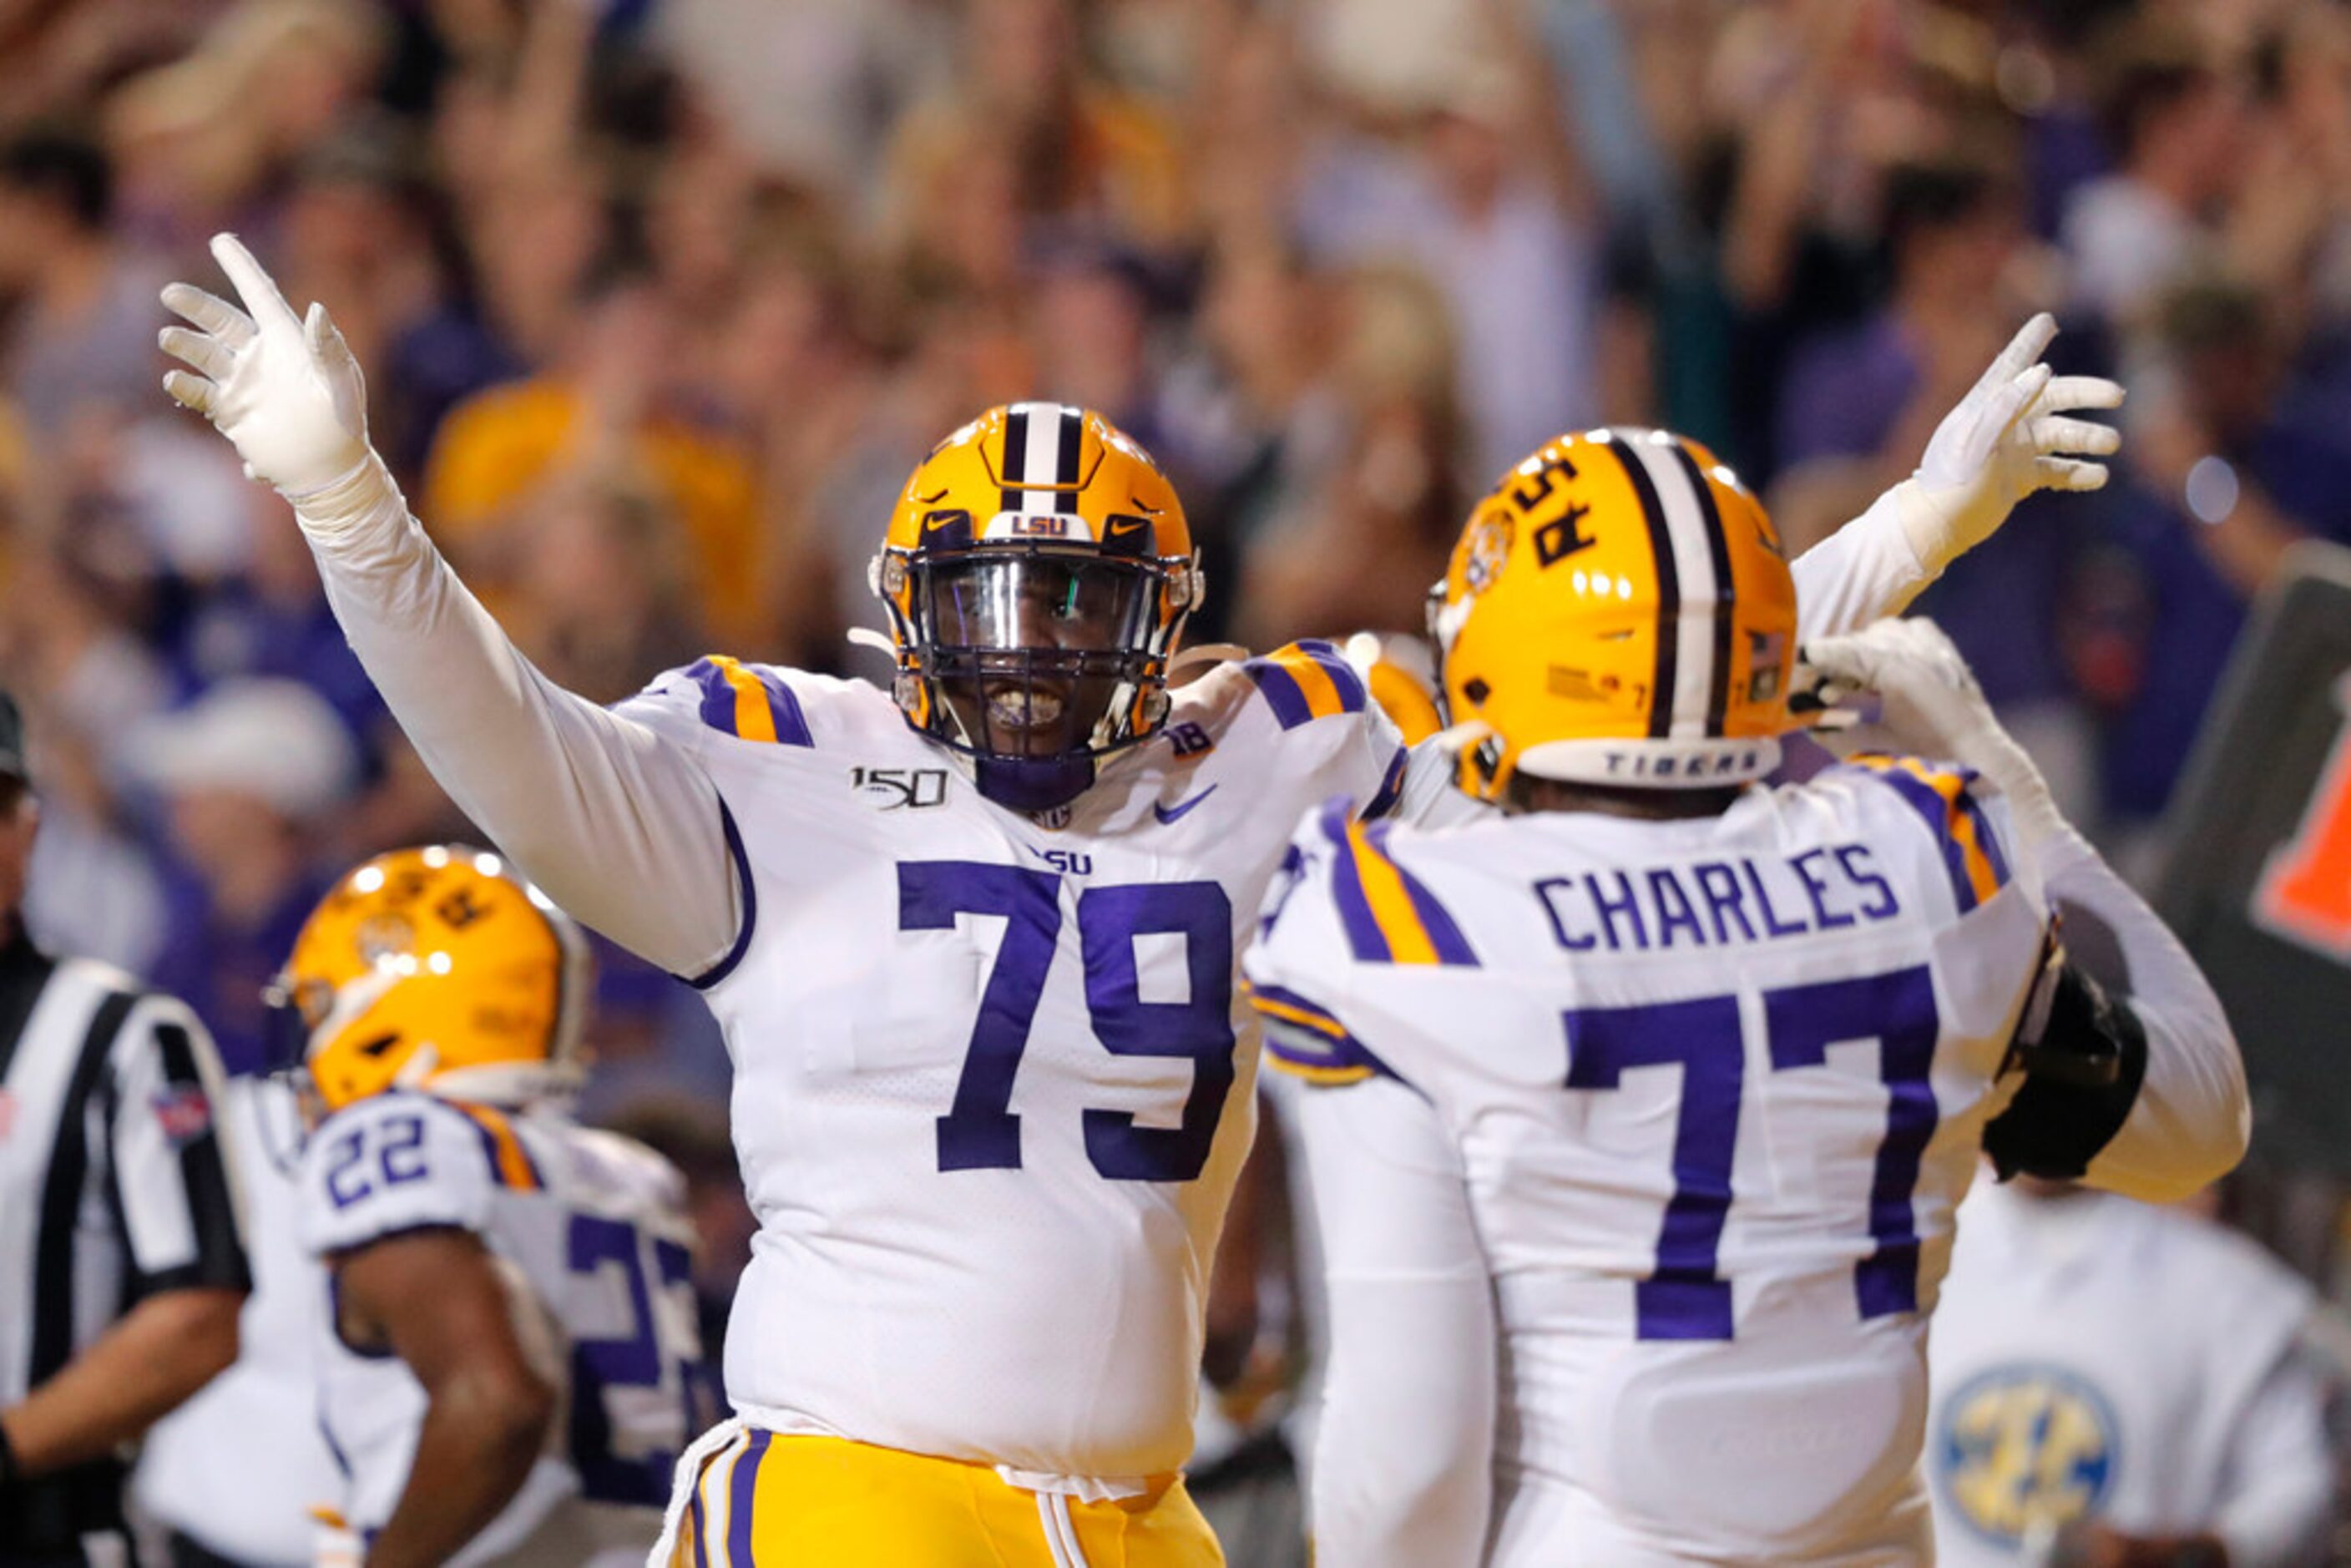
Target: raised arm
<point x="2012" y="435"/>
<point x="619" y="826"/>
<point x="2133" y="1079"/>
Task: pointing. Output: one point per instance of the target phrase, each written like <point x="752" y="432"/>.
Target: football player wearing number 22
<point x="508" y="1364"/>
<point x="974" y="940"/>
<point x="1658" y="1088"/>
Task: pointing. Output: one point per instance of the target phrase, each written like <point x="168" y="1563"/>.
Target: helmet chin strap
<point x="352" y="1000"/>
<point x="420" y="1066"/>
<point x="1032" y="783"/>
<point x="513" y="1085"/>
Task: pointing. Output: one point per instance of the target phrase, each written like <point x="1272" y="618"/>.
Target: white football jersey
<point x="590" y="1230"/>
<point x="994" y="1078"/>
<point x="1717" y="1085"/>
<point x="2095" y="1358"/>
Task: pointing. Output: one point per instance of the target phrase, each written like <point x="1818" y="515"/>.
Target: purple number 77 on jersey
<point x="1684" y="1297"/>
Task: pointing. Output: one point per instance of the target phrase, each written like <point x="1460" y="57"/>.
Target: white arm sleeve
<point x="2191" y="1121"/>
<point x="1403" y="1459"/>
<point x="620" y="828"/>
<point x="1863" y="572"/>
<point x="2281" y="1493"/>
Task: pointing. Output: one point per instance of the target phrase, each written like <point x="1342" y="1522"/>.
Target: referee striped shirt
<point x="112" y="1187"/>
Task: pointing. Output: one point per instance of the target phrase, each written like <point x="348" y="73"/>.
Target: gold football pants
<point x="766" y="1500"/>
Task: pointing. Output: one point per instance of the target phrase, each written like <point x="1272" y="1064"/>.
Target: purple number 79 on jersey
<point x="981" y="1131"/>
<point x="1684" y="1297"/>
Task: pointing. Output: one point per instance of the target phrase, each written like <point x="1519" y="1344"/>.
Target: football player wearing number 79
<point x="1658" y="1088"/>
<point x="973" y="938"/>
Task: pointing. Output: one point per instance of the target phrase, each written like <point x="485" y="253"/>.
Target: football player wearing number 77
<point x="973" y="938"/>
<point x="1674" y="1078"/>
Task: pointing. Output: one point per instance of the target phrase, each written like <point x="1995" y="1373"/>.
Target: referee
<point x="120" y="1266"/>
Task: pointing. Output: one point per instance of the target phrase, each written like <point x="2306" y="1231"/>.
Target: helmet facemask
<point x="1037" y="570"/>
<point x="1035" y="661"/>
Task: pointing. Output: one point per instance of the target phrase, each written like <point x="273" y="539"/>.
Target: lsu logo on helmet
<point x="1618" y="610"/>
<point x="1037" y="572"/>
<point x="434" y="968"/>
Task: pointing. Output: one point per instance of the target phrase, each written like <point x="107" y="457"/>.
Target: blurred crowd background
<point x="659" y="300"/>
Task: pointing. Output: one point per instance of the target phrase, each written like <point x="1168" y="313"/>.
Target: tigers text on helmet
<point x="434" y="968"/>
<point x="1618" y="612"/>
<point x="1038" y="571"/>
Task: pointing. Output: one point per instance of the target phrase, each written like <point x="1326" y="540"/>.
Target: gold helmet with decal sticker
<point x="1618" y="612"/>
<point x="1038" y="571"/>
<point x="434" y="968"/>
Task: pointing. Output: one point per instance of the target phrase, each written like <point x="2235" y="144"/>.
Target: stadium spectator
<point x="246" y="776"/>
<point x="611" y="400"/>
<point x="2234" y="462"/>
<point x="208" y="137"/>
<point x="1855" y="408"/>
<point x="1486" y="197"/>
<point x="88" y="685"/>
<point x="1949" y="232"/>
<point x="1361" y="546"/>
<point x="600" y="595"/>
<point x="2176" y="127"/>
<point x="81" y="346"/>
<point x="1052" y="139"/>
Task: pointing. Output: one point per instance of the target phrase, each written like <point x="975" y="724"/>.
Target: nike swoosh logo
<point x="1167" y="814"/>
<point x="1119" y="526"/>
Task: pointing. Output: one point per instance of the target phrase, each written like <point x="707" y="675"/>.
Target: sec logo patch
<point x="2024" y="1448"/>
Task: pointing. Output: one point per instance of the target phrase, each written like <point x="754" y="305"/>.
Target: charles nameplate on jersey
<point x="2259" y="886"/>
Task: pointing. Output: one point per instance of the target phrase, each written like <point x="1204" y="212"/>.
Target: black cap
<point x="11" y="739"/>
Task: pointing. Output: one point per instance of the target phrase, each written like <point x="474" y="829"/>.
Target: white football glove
<point x="2008" y="438"/>
<point x="1933" y="706"/>
<point x="285" y="389"/>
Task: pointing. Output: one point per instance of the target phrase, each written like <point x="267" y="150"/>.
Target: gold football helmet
<point x="1617" y="611"/>
<point x="1402" y="675"/>
<point x="1038" y="571"/>
<point x="435" y="968"/>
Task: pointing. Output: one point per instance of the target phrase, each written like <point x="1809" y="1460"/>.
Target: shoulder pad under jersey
<point x="406" y="1161"/>
<point x="1951" y="803"/>
<point x="719" y="698"/>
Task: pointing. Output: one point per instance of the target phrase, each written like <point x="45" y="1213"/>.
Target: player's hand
<point x="284" y="389"/>
<point x="2011" y="435"/>
<point x="1933" y="706"/>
